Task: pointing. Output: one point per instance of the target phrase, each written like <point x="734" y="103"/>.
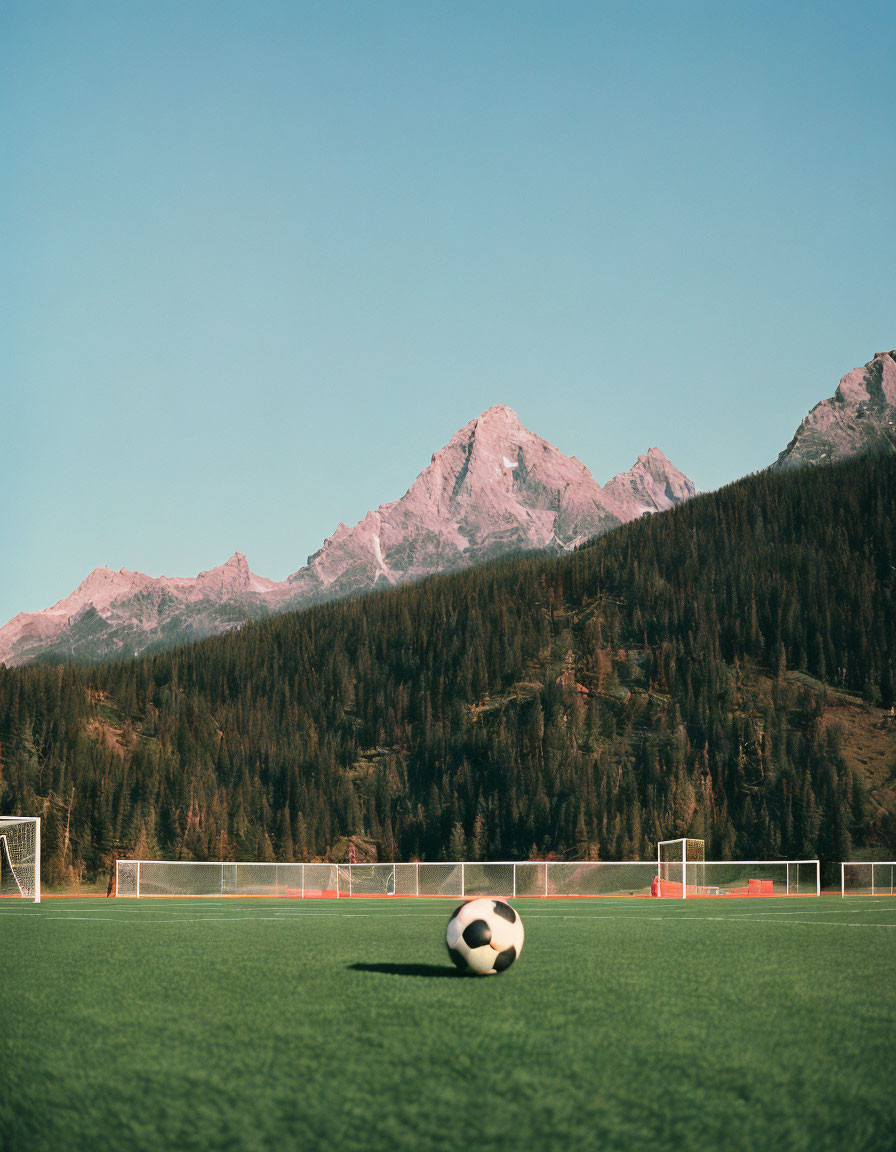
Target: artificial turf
<point x="261" y="1025"/>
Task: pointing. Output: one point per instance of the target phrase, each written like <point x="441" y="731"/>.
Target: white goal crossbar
<point x="20" y="857"/>
<point x="458" y="879"/>
<point x="868" y="878"/>
<point x="683" y="874"/>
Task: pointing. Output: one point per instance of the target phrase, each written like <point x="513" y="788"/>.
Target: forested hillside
<point x="695" y="672"/>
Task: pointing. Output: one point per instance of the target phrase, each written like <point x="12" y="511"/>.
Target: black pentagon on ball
<point x="457" y="957"/>
<point x="458" y="908"/>
<point x="505" y="959"/>
<point x="477" y="933"/>
<point x="504" y="911"/>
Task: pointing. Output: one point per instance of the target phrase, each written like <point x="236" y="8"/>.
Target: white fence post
<point x="37" y="861"/>
<point x="578" y="878"/>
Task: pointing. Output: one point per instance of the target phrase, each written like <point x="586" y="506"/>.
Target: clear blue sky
<point x="261" y="259"/>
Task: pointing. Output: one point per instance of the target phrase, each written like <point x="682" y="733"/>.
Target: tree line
<point x="582" y="706"/>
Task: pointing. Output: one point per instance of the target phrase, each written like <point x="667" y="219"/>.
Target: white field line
<point x="123" y="906"/>
<point x="836" y="910"/>
<point x="407" y="906"/>
<point x="779" y="923"/>
<point x="715" y="920"/>
<point x="760" y="914"/>
<point x="533" y="907"/>
<point x="812" y="912"/>
<point x="281" y="917"/>
<point x="187" y="919"/>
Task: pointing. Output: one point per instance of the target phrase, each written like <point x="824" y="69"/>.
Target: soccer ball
<point x="484" y="937"/>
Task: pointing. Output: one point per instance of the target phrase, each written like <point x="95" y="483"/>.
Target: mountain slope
<point x="494" y="488"/>
<point x="717" y="670"/>
<point x="121" y="613"/>
<point x="859" y="418"/>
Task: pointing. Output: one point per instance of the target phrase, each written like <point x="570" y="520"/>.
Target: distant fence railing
<point x="460" y="879"/>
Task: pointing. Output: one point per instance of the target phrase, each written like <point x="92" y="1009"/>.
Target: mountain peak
<point x="234" y="580"/>
<point x="105" y="579"/>
<point x="499" y="413"/>
<point x="498" y="421"/>
<point x="494" y="488"/>
<point x="859" y="418"/>
<point x="652" y="484"/>
<point x="236" y="564"/>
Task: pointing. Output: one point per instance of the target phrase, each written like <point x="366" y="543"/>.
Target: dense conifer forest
<point x="680" y="676"/>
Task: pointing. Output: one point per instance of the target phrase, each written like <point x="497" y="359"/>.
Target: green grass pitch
<point x="625" y="1024"/>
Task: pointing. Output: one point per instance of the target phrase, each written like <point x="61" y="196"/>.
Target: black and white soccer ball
<point x="484" y="936"/>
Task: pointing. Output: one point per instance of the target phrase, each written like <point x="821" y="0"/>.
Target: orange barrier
<point x="672" y="888"/>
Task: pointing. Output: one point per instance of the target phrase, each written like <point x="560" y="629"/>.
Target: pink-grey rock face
<point x="493" y="489"/>
<point x="652" y="485"/>
<point x="123" y="613"/>
<point x="859" y="418"/>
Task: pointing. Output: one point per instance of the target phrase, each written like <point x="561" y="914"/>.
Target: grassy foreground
<point x="255" y="1025"/>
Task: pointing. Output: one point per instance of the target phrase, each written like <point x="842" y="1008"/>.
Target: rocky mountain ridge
<point x="859" y="418"/>
<point x="494" y="488"/>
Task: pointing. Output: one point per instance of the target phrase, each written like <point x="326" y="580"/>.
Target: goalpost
<point x="680" y="864"/>
<point x="138" y="878"/>
<point x="868" y="878"/>
<point x="682" y="872"/>
<point x="20" y="857"/>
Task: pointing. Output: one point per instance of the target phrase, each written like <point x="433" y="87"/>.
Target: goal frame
<point x="685" y="842"/>
<point x="233" y="865"/>
<point x="8" y="821"/>
<point x="872" y="864"/>
<point x="689" y="867"/>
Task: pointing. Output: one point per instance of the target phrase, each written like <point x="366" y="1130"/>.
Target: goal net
<point x="20" y="857"/>
<point x="871" y="878"/>
<point x="684" y="874"/>
<point x="223" y="878"/>
<point x="679" y="865"/>
<point x="679" y="871"/>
